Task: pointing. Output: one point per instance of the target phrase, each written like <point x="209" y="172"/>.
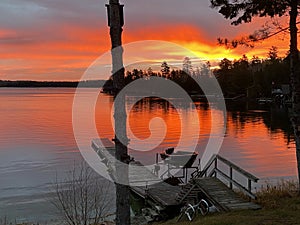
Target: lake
<point x="37" y="141"/>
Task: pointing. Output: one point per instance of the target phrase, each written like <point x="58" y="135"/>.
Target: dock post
<point x="249" y="187"/>
<point x="216" y="166"/>
<point x="231" y="177"/>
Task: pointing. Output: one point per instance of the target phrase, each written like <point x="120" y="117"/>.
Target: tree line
<point x="184" y="77"/>
<point x="253" y="77"/>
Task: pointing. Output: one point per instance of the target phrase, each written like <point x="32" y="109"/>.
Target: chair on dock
<point x="179" y="158"/>
<point x="183" y="159"/>
<point x="165" y="154"/>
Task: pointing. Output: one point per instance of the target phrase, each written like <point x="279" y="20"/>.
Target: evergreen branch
<point x="249" y="41"/>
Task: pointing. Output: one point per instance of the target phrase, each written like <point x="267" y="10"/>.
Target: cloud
<point x="48" y="39"/>
<point x="11" y="38"/>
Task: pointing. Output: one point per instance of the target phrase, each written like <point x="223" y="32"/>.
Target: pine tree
<point x="242" y="11"/>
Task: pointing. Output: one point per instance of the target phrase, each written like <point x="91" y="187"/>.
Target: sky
<point x="59" y="39"/>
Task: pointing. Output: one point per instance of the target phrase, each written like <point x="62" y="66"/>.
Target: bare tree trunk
<point x="295" y="79"/>
<point x="122" y="191"/>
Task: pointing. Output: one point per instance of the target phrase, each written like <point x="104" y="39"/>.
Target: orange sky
<point x="41" y="40"/>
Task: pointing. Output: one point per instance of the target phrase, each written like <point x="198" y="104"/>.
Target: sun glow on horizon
<point x="68" y="56"/>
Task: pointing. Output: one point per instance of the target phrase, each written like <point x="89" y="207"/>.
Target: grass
<point x="280" y="205"/>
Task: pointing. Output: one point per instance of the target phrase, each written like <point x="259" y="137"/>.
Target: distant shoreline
<point x="49" y="84"/>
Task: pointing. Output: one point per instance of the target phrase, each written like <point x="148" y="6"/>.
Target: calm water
<point x="37" y="141"/>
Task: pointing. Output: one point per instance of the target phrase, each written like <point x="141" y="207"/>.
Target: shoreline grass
<point x="280" y="205"/>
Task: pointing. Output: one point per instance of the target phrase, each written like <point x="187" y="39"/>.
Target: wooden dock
<point x="138" y="174"/>
<point x="166" y="198"/>
<point x="161" y="193"/>
<point x="158" y="195"/>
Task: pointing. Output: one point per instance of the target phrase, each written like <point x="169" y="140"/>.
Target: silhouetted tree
<point x="205" y="69"/>
<point x="234" y="77"/>
<point x="121" y="140"/>
<point x="187" y="65"/>
<point x="150" y="71"/>
<point x="243" y="11"/>
<point x="165" y="69"/>
<point x="273" y="53"/>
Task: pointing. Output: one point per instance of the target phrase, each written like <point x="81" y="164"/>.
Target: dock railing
<point x="212" y="168"/>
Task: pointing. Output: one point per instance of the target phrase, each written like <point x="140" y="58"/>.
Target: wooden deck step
<point x="222" y="196"/>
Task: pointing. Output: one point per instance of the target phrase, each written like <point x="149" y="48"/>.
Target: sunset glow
<point x="45" y="41"/>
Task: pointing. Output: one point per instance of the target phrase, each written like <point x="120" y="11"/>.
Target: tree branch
<point x="249" y="41"/>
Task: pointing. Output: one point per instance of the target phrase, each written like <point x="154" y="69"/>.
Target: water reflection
<point x="177" y="126"/>
<point x="260" y="138"/>
<point x="275" y="118"/>
<point x="36" y="136"/>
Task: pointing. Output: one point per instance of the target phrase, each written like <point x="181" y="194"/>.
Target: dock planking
<point x="222" y="196"/>
<point x="161" y="193"/>
<point x="139" y="175"/>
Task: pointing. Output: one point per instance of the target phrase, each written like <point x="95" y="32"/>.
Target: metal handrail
<point x="232" y="167"/>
